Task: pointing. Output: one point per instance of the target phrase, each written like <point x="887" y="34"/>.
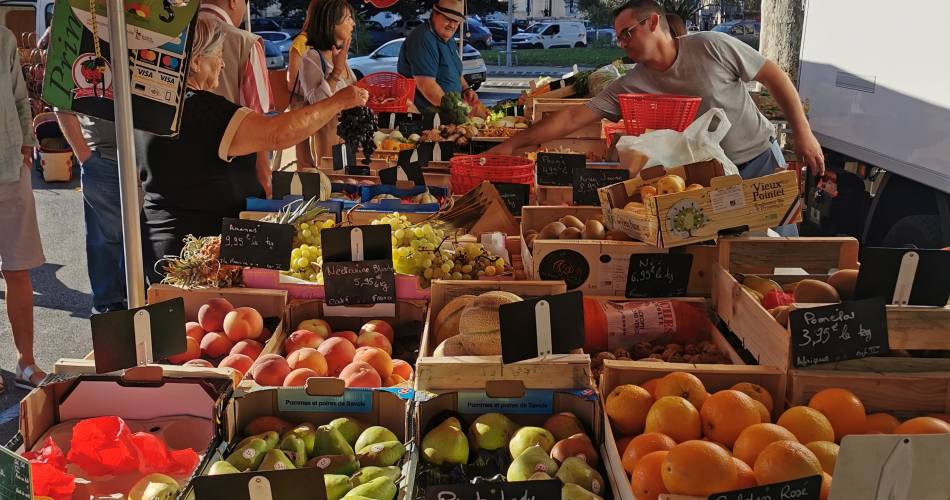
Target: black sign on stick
<point x="588" y="180"/>
<point x="515" y="196"/>
<point x="556" y="320"/>
<point x="407" y="173"/>
<point x="290" y="484"/>
<point x="557" y="169"/>
<point x="807" y="488"/>
<point x="658" y="275"/>
<point x="358" y="265"/>
<point x="343" y="156"/>
<point x="252" y="243"/>
<point x="357" y="170"/>
<point x="849" y="330"/>
<point x="306" y="184"/>
<point x="14" y="476"/>
<point x="545" y="489"/>
<point x="123" y="339"/>
<point x="921" y="277"/>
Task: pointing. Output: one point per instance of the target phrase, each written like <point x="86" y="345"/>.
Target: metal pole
<point x="508" y="38"/>
<point x="125" y="146"/>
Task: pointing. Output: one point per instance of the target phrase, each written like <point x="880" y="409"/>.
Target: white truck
<point x="25" y="16"/>
<point x="878" y="89"/>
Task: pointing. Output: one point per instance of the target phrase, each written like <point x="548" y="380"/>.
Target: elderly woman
<point x="205" y="174"/>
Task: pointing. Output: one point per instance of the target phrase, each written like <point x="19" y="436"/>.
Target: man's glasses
<point x="624" y="36"/>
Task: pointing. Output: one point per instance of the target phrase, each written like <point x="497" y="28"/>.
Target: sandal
<point x="25" y="376"/>
<point x="3" y="386"/>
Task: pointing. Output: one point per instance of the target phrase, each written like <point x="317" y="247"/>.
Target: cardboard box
<point x="692" y="216"/>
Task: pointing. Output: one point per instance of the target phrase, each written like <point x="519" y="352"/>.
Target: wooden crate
<point x="461" y="372"/>
<point x="548" y="106"/>
<point x="594" y="149"/>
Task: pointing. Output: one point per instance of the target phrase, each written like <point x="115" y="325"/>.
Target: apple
<point x="378" y="325"/>
<point x="670" y="183"/>
<point x="318" y="326"/>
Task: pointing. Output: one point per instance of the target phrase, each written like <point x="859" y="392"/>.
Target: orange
<point x="642" y="445"/>
<point x="923" y="425"/>
<point x="826" y="452"/>
<point x="825" y="486"/>
<point x="884" y="423"/>
<point x="942" y="416"/>
<point x="745" y="478"/>
<point x="698" y="468"/>
<point x="763" y="411"/>
<point x="807" y="424"/>
<point x="726" y="414"/>
<point x="756" y="437"/>
<point x="843" y="409"/>
<point x="784" y="461"/>
<point x="650" y="386"/>
<point x="675" y="417"/>
<point x="756" y="392"/>
<point x="684" y="385"/>
<point x="646" y="480"/>
<point x="627" y="406"/>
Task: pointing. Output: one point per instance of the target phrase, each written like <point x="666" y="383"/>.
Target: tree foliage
<point x="599" y="12"/>
<point x="686" y="9"/>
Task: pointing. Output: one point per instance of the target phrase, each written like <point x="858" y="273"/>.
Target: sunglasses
<point x="625" y="34"/>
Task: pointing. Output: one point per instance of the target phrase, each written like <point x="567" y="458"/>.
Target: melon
<point x="479" y="328"/>
<point x="447" y="321"/>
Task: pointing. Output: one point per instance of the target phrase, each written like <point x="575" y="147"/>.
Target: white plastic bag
<point x="670" y="148"/>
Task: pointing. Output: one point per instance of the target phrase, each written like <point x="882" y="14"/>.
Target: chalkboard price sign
<point x="557" y="169"/>
<point x="588" y="180"/>
<point x="14" y="476"/>
<point x="658" y="275"/>
<point x="521" y="490"/>
<point x="343" y="156"/>
<point x="256" y="244"/>
<point x="515" y="196"/>
<point x="807" y="488"/>
<point x="358" y="265"/>
<point x="849" y="330"/>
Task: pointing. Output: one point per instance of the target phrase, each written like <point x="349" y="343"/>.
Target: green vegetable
<point x="580" y="83"/>
<point x="453" y="110"/>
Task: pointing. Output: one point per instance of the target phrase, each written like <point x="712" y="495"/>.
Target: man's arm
<point x="256" y="93"/>
<point x="555" y="126"/>
<point x="430" y="89"/>
<point x="69" y="124"/>
<point x="780" y="86"/>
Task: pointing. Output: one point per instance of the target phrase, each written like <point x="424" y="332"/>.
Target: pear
<point x="381" y="454"/>
<point x="249" y="456"/>
<point x="564" y="425"/>
<point x="575" y="470"/>
<point x="491" y="431"/>
<point x="155" y="487"/>
<point x="350" y="428"/>
<point x="329" y="441"/>
<point x="308" y="433"/>
<point x="540" y="476"/>
<point x="534" y="459"/>
<point x="373" y="435"/>
<point x="295" y="448"/>
<point x="222" y="467"/>
<point x="446" y="444"/>
<point x="270" y="438"/>
<point x="578" y="445"/>
<point x="529" y="436"/>
<point x="380" y="488"/>
<point x="276" y="460"/>
<point x="337" y="485"/>
<point x="367" y="474"/>
<point x="335" y="464"/>
<point x="575" y="492"/>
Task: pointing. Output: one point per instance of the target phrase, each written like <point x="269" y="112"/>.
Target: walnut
<point x="676" y="358"/>
<point x="657" y="349"/>
<point x="642" y="350"/>
<point x="620" y="352"/>
<point x="692" y="349"/>
<point x="692" y="358"/>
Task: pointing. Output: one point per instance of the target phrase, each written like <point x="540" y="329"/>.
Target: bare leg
<point x="20" y="311"/>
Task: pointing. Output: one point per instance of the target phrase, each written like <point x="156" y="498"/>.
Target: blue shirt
<point x="424" y="53"/>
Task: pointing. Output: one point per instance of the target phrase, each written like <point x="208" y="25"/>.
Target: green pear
<point x="249" y="456"/>
<point x="564" y="425"/>
<point x="540" y="476"/>
<point x="491" y="431"/>
<point x="350" y="428"/>
<point x="529" y="436"/>
<point x="357" y="497"/>
<point x="271" y="438"/>
<point x="337" y="486"/>
<point x="575" y="470"/>
<point x="295" y="448"/>
<point x="532" y="460"/>
<point x="367" y="474"/>
<point x="329" y="441"/>
<point x="446" y="444"/>
<point x="575" y="492"/>
<point x="373" y="435"/>
<point x="381" y="454"/>
<point x="335" y="464"/>
<point x="222" y="467"/>
<point x="276" y="460"/>
<point x="578" y="445"/>
<point x="308" y="433"/>
<point x="155" y="487"/>
<point x="380" y="488"/>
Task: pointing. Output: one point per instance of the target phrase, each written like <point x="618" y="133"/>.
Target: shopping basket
<point x="56" y="157"/>
<point x="468" y="171"/>
<point x="388" y="92"/>
<point x="642" y="112"/>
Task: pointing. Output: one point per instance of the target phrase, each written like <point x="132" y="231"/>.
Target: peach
<point x="239" y="362"/>
<point x="402" y="368"/>
<point x="270" y="370"/>
<point x="307" y="357"/>
<point x="249" y="348"/>
<point x="338" y="352"/>
<point x="374" y="339"/>
<point x="360" y="374"/>
<point x="393" y="380"/>
<point x="243" y="323"/>
<point x="216" y="345"/>
<point x="300" y="339"/>
<point x="194" y="330"/>
<point x="192" y="351"/>
<point x="318" y="326"/>
<point x="345" y="334"/>
<point x="377" y="358"/>
<point x="380" y="326"/>
<point x="200" y="363"/>
<point x="211" y="315"/>
<point x="298" y="377"/>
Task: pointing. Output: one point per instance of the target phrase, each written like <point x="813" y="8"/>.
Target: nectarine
<point x="375" y="339"/>
<point x="201" y="363"/>
<point x="338" y="352"/>
<point x="249" y="348"/>
<point x="243" y="323"/>
<point x="393" y="381"/>
<point x="239" y="362"/>
<point x="298" y="377"/>
<point x="360" y="374"/>
<point x="216" y="344"/>
<point x="211" y="315"/>
<point x="377" y="358"/>
<point x="345" y="334"/>
<point x="307" y="357"/>
<point x="378" y="325"/>
<point x="318" y="326"/>
<point x="194" y="330"/>
<point x="402" y="368"/>
<point x="192" y="351"/>
<point x="300" y="339"/>
<point x="270" y="370"/>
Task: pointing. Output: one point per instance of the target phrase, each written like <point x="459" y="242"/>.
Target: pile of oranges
<point x="678" y="438"/>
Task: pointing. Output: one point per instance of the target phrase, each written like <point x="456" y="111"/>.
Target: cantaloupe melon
<point x="479" y="330"/>
<point x="484" y="344"/>
<point x="446" y="323"/>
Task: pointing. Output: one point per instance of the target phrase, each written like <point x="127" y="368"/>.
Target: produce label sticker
<point x="352" y="401"/>
<point x="14" y="476"/>
<point x="726" y="199"/>
<point x="534" y="402"/>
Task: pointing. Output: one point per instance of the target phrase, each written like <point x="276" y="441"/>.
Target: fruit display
<point x="461" y="135"/>
<point x="356" y="128"/>
<point x="225" y="336"/>
<point x="493" y="447"/>
<point x="570" y="227"/>
<point x="197" y="265"/>
<point x="358" y="460"/>
<point x="778" y="300"/>
<point x="499" y="125"/>
<point x="453" y="109"/>
<point x="394" y="141"/>
<point x="470" y="326"/>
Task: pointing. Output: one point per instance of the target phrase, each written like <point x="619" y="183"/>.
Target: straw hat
<point x="452" y="9"/>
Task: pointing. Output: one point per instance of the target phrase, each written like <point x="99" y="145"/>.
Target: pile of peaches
<point x="223" y="336"/>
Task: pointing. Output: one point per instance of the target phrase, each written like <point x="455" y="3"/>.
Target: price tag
<point x="521" y="490"/>
<point x="515" y="196"/>
<point x="658" y="275"/>
<point x="587" y="181"/>
<point x="556" y="320"/>
<point x="343" y="157"/>
<point x="557" y="169"/>
<point x="305" y="184"/>
<point x="289" y="484"/>
<point x="14" y="476"/>
<point x="358" y="265"/>
<point x="808" y="488"/>
<point x="849" y="330"/>
<point x="133" y="337"/>
<point x="252" y="243"/>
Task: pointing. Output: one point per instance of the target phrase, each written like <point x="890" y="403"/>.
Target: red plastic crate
<point x="469" y="171"/>
<point x="657" y="111"/>
<point x="385" y="85"/>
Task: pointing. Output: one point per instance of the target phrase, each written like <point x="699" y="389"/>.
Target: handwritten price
<point x="652" y="272"/>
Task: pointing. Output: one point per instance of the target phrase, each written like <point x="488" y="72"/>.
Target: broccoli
<point x="453" y="110"/>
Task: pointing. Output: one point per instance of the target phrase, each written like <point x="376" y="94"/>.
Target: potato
<point x="844" y="282"/>
<point x="815" y="292"/>
<point x="552" y="231"/>
<point x="594" y="230"/>
<point x="571" y="221"/>
<point x="571" y="233"/>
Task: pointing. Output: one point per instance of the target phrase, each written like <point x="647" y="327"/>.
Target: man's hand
<point x="470" y="97"/>
<point x="352" y="96"/>
<point x="809" y="151"/>
<point x="27" y="156"/>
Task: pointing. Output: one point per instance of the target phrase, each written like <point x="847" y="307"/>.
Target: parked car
<point x="292" y="25"/>
<point x="747" y="31"/>
<point x="477" y="34"/>
<point x="264" y="24"/>
<point x="272" y="56"/>
<point x="403" y="27"/>
<point x="386" y="57"/>
<point x="605" y="33"/>
<point x="378" y="35"/>
<point x="499" y="30"/>
<point x="551" y="34"/>
<point x="281" y="39"/>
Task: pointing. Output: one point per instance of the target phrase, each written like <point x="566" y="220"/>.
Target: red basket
<point x="468" y="171"/>
<point x="611" y="128"/>
<point x="657" y="111"/>
<point x="385" y="85"/>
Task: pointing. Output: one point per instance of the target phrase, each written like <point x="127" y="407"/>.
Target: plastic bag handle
<point x="700" y="126"/>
